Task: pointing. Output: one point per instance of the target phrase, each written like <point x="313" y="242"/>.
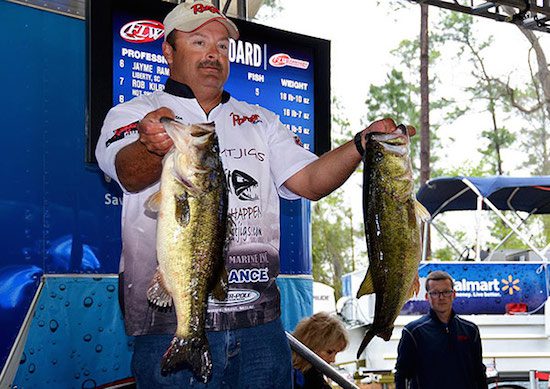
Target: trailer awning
<point x="529" y="194"/>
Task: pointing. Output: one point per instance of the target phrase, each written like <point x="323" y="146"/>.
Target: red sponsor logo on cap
<point x="281" y="59"/>
<point x="142" y="31"/>
<point x="200" y="8"/>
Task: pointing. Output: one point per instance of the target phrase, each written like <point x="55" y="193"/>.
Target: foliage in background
<point x="334" y="226"/>
<point x="458" y="28"/>
<point x="399" y="95"/>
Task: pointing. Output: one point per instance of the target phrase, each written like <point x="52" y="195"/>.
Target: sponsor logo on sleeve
<point x="122" y="132"/>
<point x="298" y="141"/>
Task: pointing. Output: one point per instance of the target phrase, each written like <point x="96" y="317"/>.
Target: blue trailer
<point x="60" y="221"/>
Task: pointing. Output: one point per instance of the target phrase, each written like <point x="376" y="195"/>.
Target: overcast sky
<point x="362" y="34"/>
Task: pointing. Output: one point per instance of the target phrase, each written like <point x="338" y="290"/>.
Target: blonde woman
<point x="325" y="335"/>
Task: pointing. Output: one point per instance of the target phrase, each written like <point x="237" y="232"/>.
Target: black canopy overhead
<point x="528" y="194"/>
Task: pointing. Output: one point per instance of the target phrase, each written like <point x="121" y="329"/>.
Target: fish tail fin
<point x="367" y="286"/>
<point x="158" y="293"/>
<point x="386" y="334"/>
<point x="366" y="340"/>
<point x="193" y="352"/>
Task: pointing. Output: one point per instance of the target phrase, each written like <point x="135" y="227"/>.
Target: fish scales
<point x="191" y="240"/>
<point x="392" y="229"/>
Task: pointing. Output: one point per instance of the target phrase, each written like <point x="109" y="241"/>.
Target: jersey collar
<point x="182" y="90"/>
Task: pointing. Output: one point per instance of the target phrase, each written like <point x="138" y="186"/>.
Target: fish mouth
<point x="395" y="142"/>
<point x="201" y="131"/>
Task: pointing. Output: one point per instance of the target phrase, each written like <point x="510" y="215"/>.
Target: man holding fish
<point x="226" y="318"/>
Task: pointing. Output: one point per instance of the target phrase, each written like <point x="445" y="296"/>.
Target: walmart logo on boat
<point x="492" y="288"/>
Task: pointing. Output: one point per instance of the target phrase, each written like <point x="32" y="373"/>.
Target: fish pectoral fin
<point x="415" y="287"/>
<point x="219" y="292"/>
<point x="369" y="334"/>
<point x="153" y="202"/>
<point x="367" y="286"/>
<point x="183" y="215"/>
<point x="158" y="293"/>
<point x="421" y="212"/>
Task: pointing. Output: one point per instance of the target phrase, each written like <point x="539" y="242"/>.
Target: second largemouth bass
<point x="392" y="229"/>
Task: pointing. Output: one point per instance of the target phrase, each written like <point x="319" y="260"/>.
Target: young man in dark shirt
<point x="440" y="350"/>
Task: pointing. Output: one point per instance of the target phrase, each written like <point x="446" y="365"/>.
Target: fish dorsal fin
<point x="367" y="286"/>
<point x="153" y="202"/>
<point x="158" y="293"/>
<point x="421" y="211"/>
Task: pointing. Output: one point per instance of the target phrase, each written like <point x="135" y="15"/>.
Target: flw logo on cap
<point x="200" y="8"/>
<point x="142" y="31"/>
<point x="280" y="60"/>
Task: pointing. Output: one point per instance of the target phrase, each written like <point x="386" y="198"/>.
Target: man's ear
<point x="168" y="52"/>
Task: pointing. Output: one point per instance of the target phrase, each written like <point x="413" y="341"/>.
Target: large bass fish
<point x="392" y="229"/>
<point x="191" y="238"/>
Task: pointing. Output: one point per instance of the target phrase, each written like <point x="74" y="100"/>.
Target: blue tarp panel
<point x="76" y="337"/>
<point x="506" y="193"/>
<point x="296" y="300"/>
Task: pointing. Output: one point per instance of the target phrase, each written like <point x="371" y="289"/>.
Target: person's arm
<point x="405" y="367"/>
<point x="332" y="169"/>
<point x="139" y="164"/>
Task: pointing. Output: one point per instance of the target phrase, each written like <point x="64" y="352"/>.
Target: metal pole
<point x="242" y="9"/>
<point x="532" y="380"/>
<point x="299" y="348"/>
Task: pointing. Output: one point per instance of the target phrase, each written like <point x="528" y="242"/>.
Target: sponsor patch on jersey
<point x="122" y="132"/>
<point x="244" y="186"/>
<point x="239" y="120"/>
<point x="463" y="338"/>
<point x="237" y="297"/>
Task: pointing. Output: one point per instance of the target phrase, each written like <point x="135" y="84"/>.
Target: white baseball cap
<point x="189" y="16"/>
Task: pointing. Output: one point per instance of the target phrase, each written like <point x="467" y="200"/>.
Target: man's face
<point x="200" y="58"/>
<point x="436" y="295"/>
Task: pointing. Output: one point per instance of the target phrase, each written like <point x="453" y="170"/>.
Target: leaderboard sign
<point x="285" y="72"/>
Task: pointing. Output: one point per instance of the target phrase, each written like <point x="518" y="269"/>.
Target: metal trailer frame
<point x="484" y="190"/>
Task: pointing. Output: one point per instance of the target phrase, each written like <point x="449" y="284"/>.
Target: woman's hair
<point x="319" y="332"/>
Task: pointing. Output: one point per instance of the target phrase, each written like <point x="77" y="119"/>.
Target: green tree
<point x="334" y="226"/>
<point x="458" y="27"/>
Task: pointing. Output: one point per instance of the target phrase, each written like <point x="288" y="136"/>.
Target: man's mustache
<point x="210" y="64"/>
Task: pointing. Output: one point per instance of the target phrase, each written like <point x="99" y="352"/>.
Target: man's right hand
<point x="152" y="134"/>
